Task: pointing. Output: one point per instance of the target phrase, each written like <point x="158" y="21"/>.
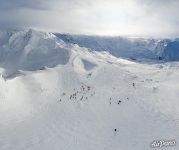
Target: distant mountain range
<point x="134" y="48"/>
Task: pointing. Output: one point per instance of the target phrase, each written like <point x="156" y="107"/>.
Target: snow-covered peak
<point x="18" y="40"/>
<point x="30" y="50"/>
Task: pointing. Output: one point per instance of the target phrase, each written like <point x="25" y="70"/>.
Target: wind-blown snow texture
<point x="57" y="95"/>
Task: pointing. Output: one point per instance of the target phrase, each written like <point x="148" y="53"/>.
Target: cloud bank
<point x="101" y="17"/>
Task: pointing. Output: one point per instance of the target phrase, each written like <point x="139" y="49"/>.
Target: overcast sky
<point x="101" y="17"/>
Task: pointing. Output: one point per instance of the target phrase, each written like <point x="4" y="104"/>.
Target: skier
<point x="119" y="101"/>
<point x="133" y="84"/>
<point x="115" y="131"/>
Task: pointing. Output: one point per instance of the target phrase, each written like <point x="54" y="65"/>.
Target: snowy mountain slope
<point x="131" y="48"/>
<point x="78" y="104"/>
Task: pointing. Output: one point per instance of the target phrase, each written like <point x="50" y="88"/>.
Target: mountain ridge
<point x="135" y="48"/>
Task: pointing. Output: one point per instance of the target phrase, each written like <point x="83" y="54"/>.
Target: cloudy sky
<point x="101" y="17"/>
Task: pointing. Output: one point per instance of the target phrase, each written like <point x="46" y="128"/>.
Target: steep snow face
<point x="171" y="51"/>
<point x="131" y="48"/>
<point x="30" y="50"/>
